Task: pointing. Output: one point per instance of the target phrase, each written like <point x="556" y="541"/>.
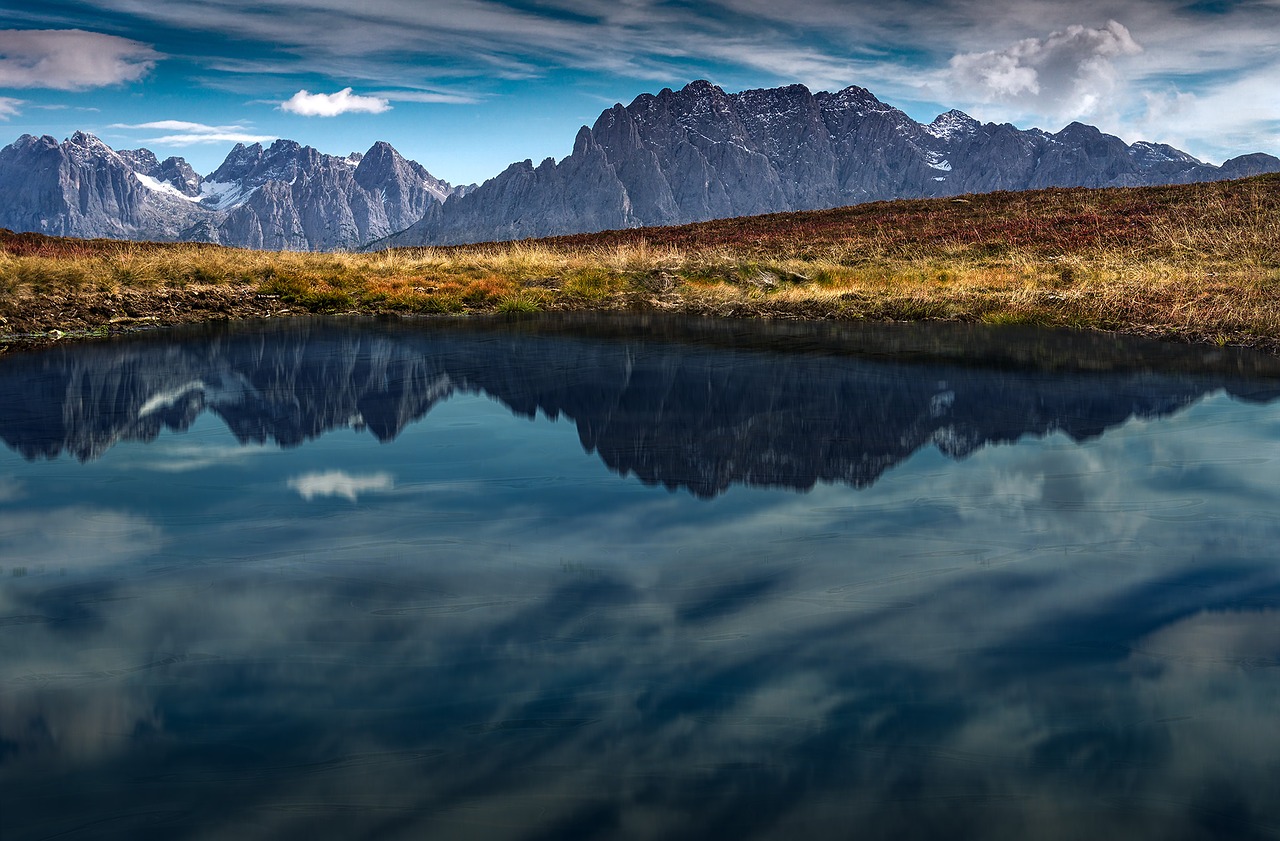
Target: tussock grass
<point x="1198" y="262"/>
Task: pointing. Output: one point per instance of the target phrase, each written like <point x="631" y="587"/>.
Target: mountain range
<point x="671" y="158"/>
<point x="283" y="197"/>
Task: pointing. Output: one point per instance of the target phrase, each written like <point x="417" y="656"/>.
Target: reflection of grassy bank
<point x="1199" y="262"/>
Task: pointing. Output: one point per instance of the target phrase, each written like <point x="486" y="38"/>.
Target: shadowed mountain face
<point x="700" y="153"/>
<point x="694" y="405"/>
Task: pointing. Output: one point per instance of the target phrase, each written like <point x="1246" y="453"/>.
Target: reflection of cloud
<point x="75" y="538"/>
<point x="174" y="456"/>
<point x="88" y="724"/>
<point x="1231" y="638"/>
<point x="10" y="489"/>
<point x="340" y="483"/>
<point x="70" y="59"/>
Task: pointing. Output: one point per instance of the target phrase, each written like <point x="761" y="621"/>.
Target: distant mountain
<point x="285" y="196"/>
<point x="677" y="157"/>
<point x="700" y="153"/>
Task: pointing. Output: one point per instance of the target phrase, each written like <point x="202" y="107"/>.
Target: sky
<point x="466" y="87"/>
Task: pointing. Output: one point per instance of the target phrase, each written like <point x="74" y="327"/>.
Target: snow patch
<point x="158" y="186"/>
<point x="936" y="161"/>
<point x="220" y="195"/>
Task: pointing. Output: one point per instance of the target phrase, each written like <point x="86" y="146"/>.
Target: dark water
<point x="625" y="579"/>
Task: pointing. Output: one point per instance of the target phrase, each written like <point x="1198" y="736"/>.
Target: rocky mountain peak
<point x="284" y="196"/>
<point x="952" y="124"/>
<point x="85" y="148"/>
<point x="238" y="164"/>
<point x="87" y="141"/>
<point x="177" y="173"/>
<point x="142" y="160"/>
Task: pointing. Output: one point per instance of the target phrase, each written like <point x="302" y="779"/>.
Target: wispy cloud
<point x="1032" y="62"/>
<point x="310" y="104"/>
<point x="9" y="107"/>
<point x="190" y="134"/>
<point x="435" y="97"/>
<point x="340" y="483"/>
<point x="70" y="59"/>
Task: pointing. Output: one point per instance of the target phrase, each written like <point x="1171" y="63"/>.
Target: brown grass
<point x="1198" y="262"/>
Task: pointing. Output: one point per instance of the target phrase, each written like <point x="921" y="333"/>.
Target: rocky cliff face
<point x="700" y="153"/>
<point x="285" y="196"/>
<point x="83" y="188"/>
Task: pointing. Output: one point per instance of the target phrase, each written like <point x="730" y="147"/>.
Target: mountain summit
<point x="284" y="196"/>
<point x="700" y="153"/>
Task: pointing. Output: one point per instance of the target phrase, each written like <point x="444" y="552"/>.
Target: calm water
<point x="635" y="579"/>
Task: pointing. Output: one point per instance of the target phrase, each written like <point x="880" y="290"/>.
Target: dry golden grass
<point x="1199" y="262"/>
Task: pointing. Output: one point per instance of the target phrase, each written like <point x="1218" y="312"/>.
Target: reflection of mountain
<point x="690" y="406"/>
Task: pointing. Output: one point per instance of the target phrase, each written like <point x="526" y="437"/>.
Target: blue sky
<point x="467" y="86"/>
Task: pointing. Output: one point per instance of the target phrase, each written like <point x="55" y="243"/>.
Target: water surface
<point x="638" y="579"/>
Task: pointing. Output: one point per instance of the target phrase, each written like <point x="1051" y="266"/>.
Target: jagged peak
<point x="85" y="139"/>
<point x="701" y="87"/>
<point x="952" y="123"/>
<point x="140" y="155"/>
<point x="1075" y="127"/>
<point x="788" y="90"/>
<point x="854" y="92"/>
<point x="584" y="141"/>
<point x="285" y="145"/>
<point x="381" y="147"/>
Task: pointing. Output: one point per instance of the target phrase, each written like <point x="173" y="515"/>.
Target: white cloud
<point x="70" y="59"/>
<point x="1242" y="113"/>
<point x="1070" y="73"/>
<point x="340" y="483"/>
<point x="190" y="134"/>
<point x="332" y="104"/>
<point x="9" y="107"/>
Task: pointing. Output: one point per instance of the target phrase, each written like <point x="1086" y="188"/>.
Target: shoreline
<point x="39" y="321"/>
<point x="1195" y="263"/>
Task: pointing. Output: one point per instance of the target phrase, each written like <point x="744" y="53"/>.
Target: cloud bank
<point x="70" y="59"/>
<point x="1069" y="74"/>
<point x="310" y="104"/>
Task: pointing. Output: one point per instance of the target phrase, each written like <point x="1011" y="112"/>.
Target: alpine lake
<point x="638" y="578"/>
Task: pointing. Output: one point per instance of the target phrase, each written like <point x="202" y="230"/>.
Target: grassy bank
<point x="1197" y="262"/>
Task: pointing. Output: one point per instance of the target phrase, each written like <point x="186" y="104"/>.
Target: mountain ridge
<point x="669" y="158"/>
<point x="700" y="153"/>
<point x="285" y="196"/>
